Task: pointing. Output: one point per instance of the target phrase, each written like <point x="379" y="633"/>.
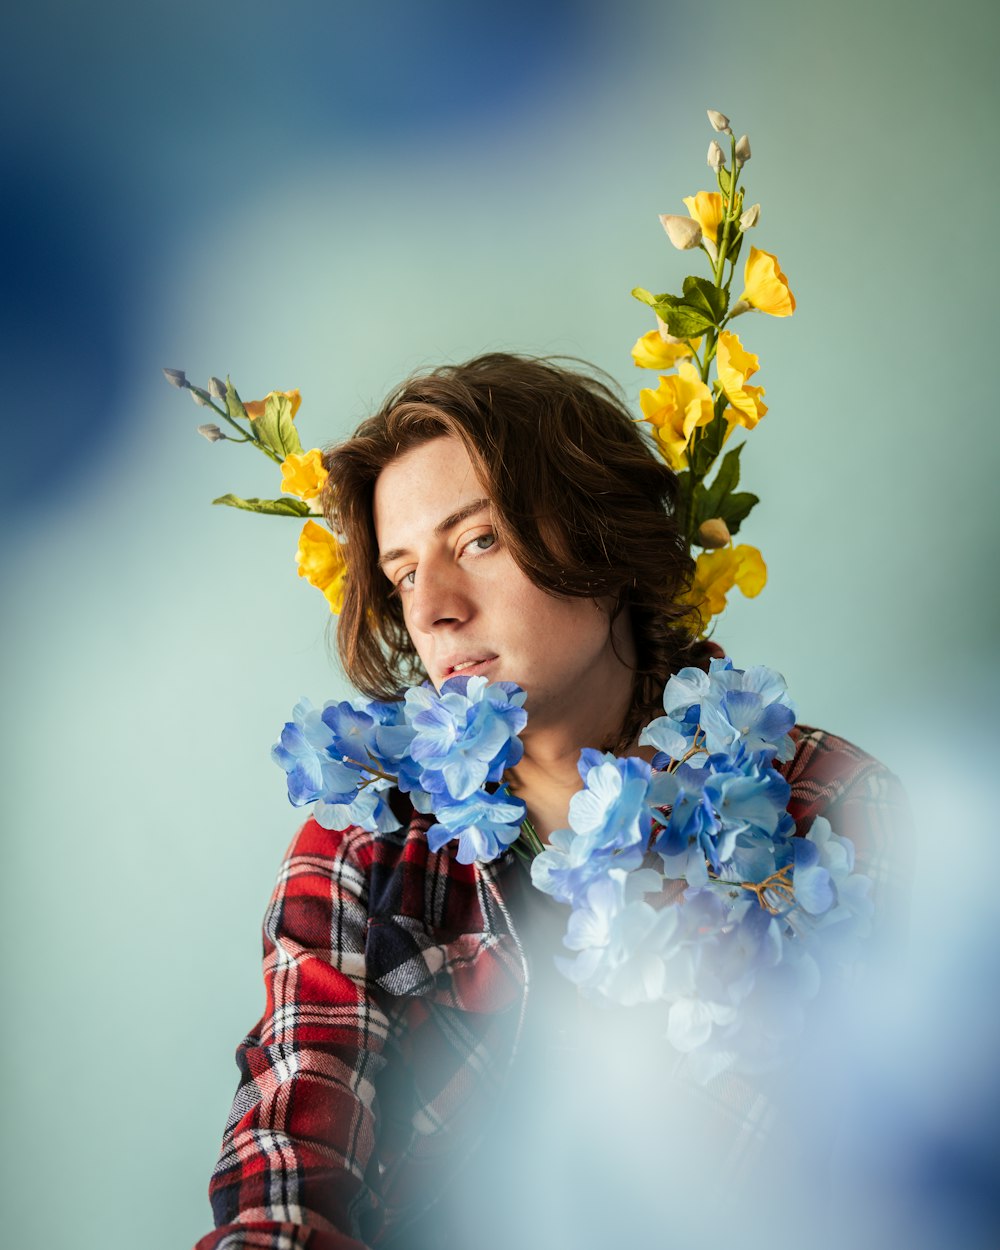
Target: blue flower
<point x="712" y="807"/>
<point x="465" y="736"/>
<point x="365" y="808"/>
<point x="734" y="707"/>
<point x="485" y="825"/>
<point x="304" y="752"/>
<point x="622" y="942"/>
<point x="610" y="821"/>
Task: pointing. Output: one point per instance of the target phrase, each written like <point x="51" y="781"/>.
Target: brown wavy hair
<point x="580" y="501"/>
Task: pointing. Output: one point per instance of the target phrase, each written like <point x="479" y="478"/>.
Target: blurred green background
<point x="329" y="196"/>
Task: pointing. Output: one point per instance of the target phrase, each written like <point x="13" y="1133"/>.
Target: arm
<point x="300" y="1136"/>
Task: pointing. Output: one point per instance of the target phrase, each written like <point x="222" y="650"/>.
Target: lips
<point x="468" y="665"/>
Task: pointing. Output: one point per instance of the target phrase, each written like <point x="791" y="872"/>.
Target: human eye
<point x="404" y="582"/>
<point x="480" y="543"/>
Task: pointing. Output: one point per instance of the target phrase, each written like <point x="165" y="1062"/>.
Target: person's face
<point x="467" y="606"/>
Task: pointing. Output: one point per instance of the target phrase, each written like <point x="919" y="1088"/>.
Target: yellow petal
<point x="706" y="209"/>
<point x="255" y="407"/>
<point x="735" y="364"/>
<point x="680" y="404"/>
<point x="652" y="352"/>
<point x="304" y="475"/>
<point x="766" y="287"/>
<point x="751" y="572"/>
<point x="320" y="558"/>
<point x="717" y="572"/>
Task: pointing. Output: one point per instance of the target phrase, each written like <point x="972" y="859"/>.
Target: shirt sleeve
<point x="293" y="1173"/>
<point x="874" y="813"/>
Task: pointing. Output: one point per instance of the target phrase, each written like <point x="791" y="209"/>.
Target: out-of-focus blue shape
<point x="61" y="328"/>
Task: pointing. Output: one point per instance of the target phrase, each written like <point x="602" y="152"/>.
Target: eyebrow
<point x="442" y="527"/>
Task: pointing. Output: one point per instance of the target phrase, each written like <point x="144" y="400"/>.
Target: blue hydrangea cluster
<point x="447" y="750"/>
<point x="744" y="915"/>
<point x="685" y="881"/>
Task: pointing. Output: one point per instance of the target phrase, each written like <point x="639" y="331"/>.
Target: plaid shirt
<point x="396" y="986"/>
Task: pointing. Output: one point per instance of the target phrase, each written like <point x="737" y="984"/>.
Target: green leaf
<point x="735" y="509"/>
<point x="273" y="507"/>
<point x="725" y="482"/>
<point x="641" y="294"/>
<point x="704" y="295"/>
<point x="234" y="405"/>
<point x="683" y="321"/>
<point x="709" y="445"/>
<point x="725" y="177"/>
<point x="275" y="428"/>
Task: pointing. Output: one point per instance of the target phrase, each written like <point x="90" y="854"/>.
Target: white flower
<point x="683" y="232"/>
<point x="742" y="150"/>
<point x="750" y="217"/>
<point x="211" y="432"/>
<point x="716" y="159"/>
<point x="720" y="121"/>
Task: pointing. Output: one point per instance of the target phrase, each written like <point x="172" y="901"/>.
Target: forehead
<point x="421" y="488"/>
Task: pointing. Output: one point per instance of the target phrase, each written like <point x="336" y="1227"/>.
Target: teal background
<point x="311" y="196"/>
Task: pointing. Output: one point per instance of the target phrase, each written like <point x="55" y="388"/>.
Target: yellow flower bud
<point x="706" y="209"/>
<point x="714" y="533"/>
<point x="683" y="232"/>
<point x="320" y="558"/>
<point x="719" y="121"/>
<point x="766" y="286"/>
<point x="304" y="475"/>
<point x="255" y="407"/>
<point x="654" y="351"/>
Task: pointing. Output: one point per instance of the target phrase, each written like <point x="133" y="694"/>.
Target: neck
<point x="547" y="776"/>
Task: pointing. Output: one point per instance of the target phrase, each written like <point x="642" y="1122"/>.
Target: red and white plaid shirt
<point x="396" y="986"/>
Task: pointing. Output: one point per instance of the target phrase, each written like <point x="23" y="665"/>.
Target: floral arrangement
<point x="684" y="882"/>
<point x="268" y="425"/>
<point x="690" y="415"/>
<point x="745" y="917"/>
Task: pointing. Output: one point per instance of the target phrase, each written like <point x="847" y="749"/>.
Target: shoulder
<point x="390" y="874"/>
<point x="827" y="770"/>
<point x="862" y="800"/>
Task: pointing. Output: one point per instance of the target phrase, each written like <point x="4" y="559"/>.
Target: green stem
<point x="248" y="436"/>
<point x="530" y="839"/>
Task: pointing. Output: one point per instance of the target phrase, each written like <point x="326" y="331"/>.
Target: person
<point x="503" y="518"/>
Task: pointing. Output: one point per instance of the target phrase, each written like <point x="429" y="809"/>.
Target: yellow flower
<point x="653" y="351"/>
<point x="320" y="558"/>
<point x="304" y="475"/>
<point x="255" y="408"/>
<point x="706" y="209"/>
<point x="766" y="287"/>
<point x="735" y="365"/>
<point x="675" y="409"/>
<point x="717" y="572"/>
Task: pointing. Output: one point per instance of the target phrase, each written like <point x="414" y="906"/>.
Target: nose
<point x="438" y="599"/>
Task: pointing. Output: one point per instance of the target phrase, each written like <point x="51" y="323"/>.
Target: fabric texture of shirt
<point x="396" y="986"/>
